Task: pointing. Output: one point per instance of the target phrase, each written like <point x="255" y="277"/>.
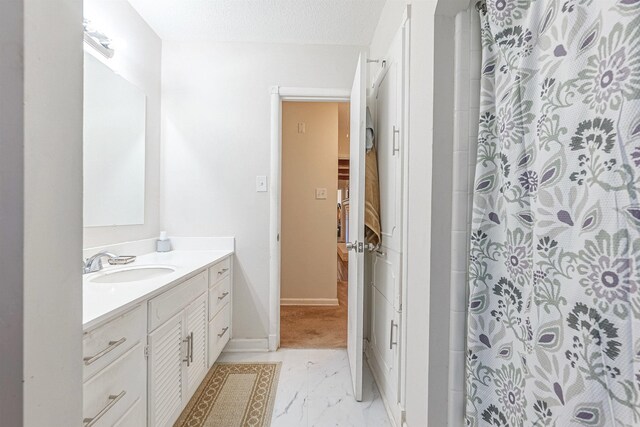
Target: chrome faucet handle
<point x="94" y="263"/>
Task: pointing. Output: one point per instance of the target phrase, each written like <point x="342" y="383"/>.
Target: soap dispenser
<point x="163" y="244"/>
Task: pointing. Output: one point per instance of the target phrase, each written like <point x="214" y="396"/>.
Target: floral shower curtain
<point x="554" y="273"/>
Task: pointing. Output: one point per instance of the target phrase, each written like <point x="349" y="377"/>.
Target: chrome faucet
<point x="94" y="263"/>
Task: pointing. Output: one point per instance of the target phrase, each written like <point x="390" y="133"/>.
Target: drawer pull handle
<point x="224" y="331"/>
<point x="221" y="272"/>
<point x="189" y="356"/>
<point x="223" y="296"/>
<point x="112" y="345"/>
<point x="113" y="399"/>
<point x="191" y="347"/>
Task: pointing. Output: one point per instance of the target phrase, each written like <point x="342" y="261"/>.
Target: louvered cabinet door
<point x="196" y="327"/>
<point x="166" y="372"/>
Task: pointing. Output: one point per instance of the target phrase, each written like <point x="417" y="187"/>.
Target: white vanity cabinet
<point x="177" y="348"/>
<point x="143" y="365"/>
<point x="114" y="371"/>
<point x="220" y="279"/>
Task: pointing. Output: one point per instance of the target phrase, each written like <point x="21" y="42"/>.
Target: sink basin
<point x="133" y="274"/>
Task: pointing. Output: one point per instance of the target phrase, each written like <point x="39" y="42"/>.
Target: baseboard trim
<point x="373" y="367"/>
<point x="247" y="345"/>
<point x="273" y="342"/>
<point x="309" y="301"/>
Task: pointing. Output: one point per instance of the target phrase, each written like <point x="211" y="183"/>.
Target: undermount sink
<point x="133" y="274"/>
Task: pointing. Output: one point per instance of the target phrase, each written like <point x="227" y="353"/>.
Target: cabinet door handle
<point x="224" y="331"/>
<point x="191" y="347"/>
<point x="223" y="296"/>
<point x="188" y="357"/>
<point x="112" y="345"/>
<point x="221" y="272"/>
<point x="395" y="149"/>
<point x="113" y="399"/>
<point x="391" y="341"/>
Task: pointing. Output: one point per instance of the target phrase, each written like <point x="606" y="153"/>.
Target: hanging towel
<point x="372" y="230"/>
<point x="369" y="134"/>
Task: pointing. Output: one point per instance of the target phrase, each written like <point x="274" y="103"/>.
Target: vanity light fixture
<point x="97" y="40"/>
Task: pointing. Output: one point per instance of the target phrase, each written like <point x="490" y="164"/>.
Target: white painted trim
<point x="309" y="301"/>
<point x="313" y="94"/>
<point x="274" y="216"/>
<point x="247" y="345"/>
<point x="279" y="94"/>
<point x="273" y="343"/>
<point x="376" y="378"/>
<point x="404" y="272"/>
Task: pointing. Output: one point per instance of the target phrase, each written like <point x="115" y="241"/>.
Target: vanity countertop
<point x="101" y="301"/>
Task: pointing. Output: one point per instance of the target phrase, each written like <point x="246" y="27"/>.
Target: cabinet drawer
<point x="386" y="275"/>
<point x="106" y="343"/>
<point x="113" y="391"/>
<point x="136" y="415"/>
<point x="219" y="331"/>
<point x="166" y="305"/>
<point x="219" y="296"/>
<point x="384" y="331"/>
<point x="219" y="271"/>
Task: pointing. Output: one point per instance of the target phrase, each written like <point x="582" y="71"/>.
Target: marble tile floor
<point x="314" y="389"/>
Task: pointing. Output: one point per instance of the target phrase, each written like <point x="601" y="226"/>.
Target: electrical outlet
<point x="321" y="193"/>
<point x="261" y="183"/>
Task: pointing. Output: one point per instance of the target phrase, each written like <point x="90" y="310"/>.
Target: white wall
<point x="138" y="60"/>
<point x="52" y="213"/>
<point x="216" y="138"/>
<point x="11" y="209"/>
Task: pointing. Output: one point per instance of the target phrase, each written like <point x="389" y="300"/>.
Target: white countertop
<point x="102" y="301"/>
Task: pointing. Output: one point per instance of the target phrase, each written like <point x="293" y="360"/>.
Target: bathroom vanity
<point x="152" y="330"/>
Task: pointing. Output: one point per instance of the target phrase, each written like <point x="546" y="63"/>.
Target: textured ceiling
<point x="341" y="22"/>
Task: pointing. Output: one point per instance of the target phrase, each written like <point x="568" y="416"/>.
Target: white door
<point x="197" y="363"/>
<point x="356" y="225"/>
<point x="166" y="372"/>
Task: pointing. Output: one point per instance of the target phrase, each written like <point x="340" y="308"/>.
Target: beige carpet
<point x="315" y="326"/>
<point x="233" y="395"/>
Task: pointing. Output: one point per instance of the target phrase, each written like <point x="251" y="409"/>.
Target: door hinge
<point x="146" y="351"/>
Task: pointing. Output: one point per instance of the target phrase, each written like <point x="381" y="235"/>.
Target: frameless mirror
<point x="114" y="147"/>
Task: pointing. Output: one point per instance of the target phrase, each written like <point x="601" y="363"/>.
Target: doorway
<point x="314" y="209"/>
<point x="355" y="306"/>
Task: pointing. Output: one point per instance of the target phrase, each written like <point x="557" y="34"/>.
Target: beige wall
<point x="309" y="161"/>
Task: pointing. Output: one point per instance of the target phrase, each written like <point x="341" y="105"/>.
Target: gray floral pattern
<point x="554" y="272"/>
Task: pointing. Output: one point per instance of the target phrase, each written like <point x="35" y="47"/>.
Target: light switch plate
<point x="321" y="193"/>
<point x="261" y="183"/>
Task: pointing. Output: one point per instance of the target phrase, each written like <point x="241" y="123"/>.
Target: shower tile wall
<point x="468" y="61"/>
